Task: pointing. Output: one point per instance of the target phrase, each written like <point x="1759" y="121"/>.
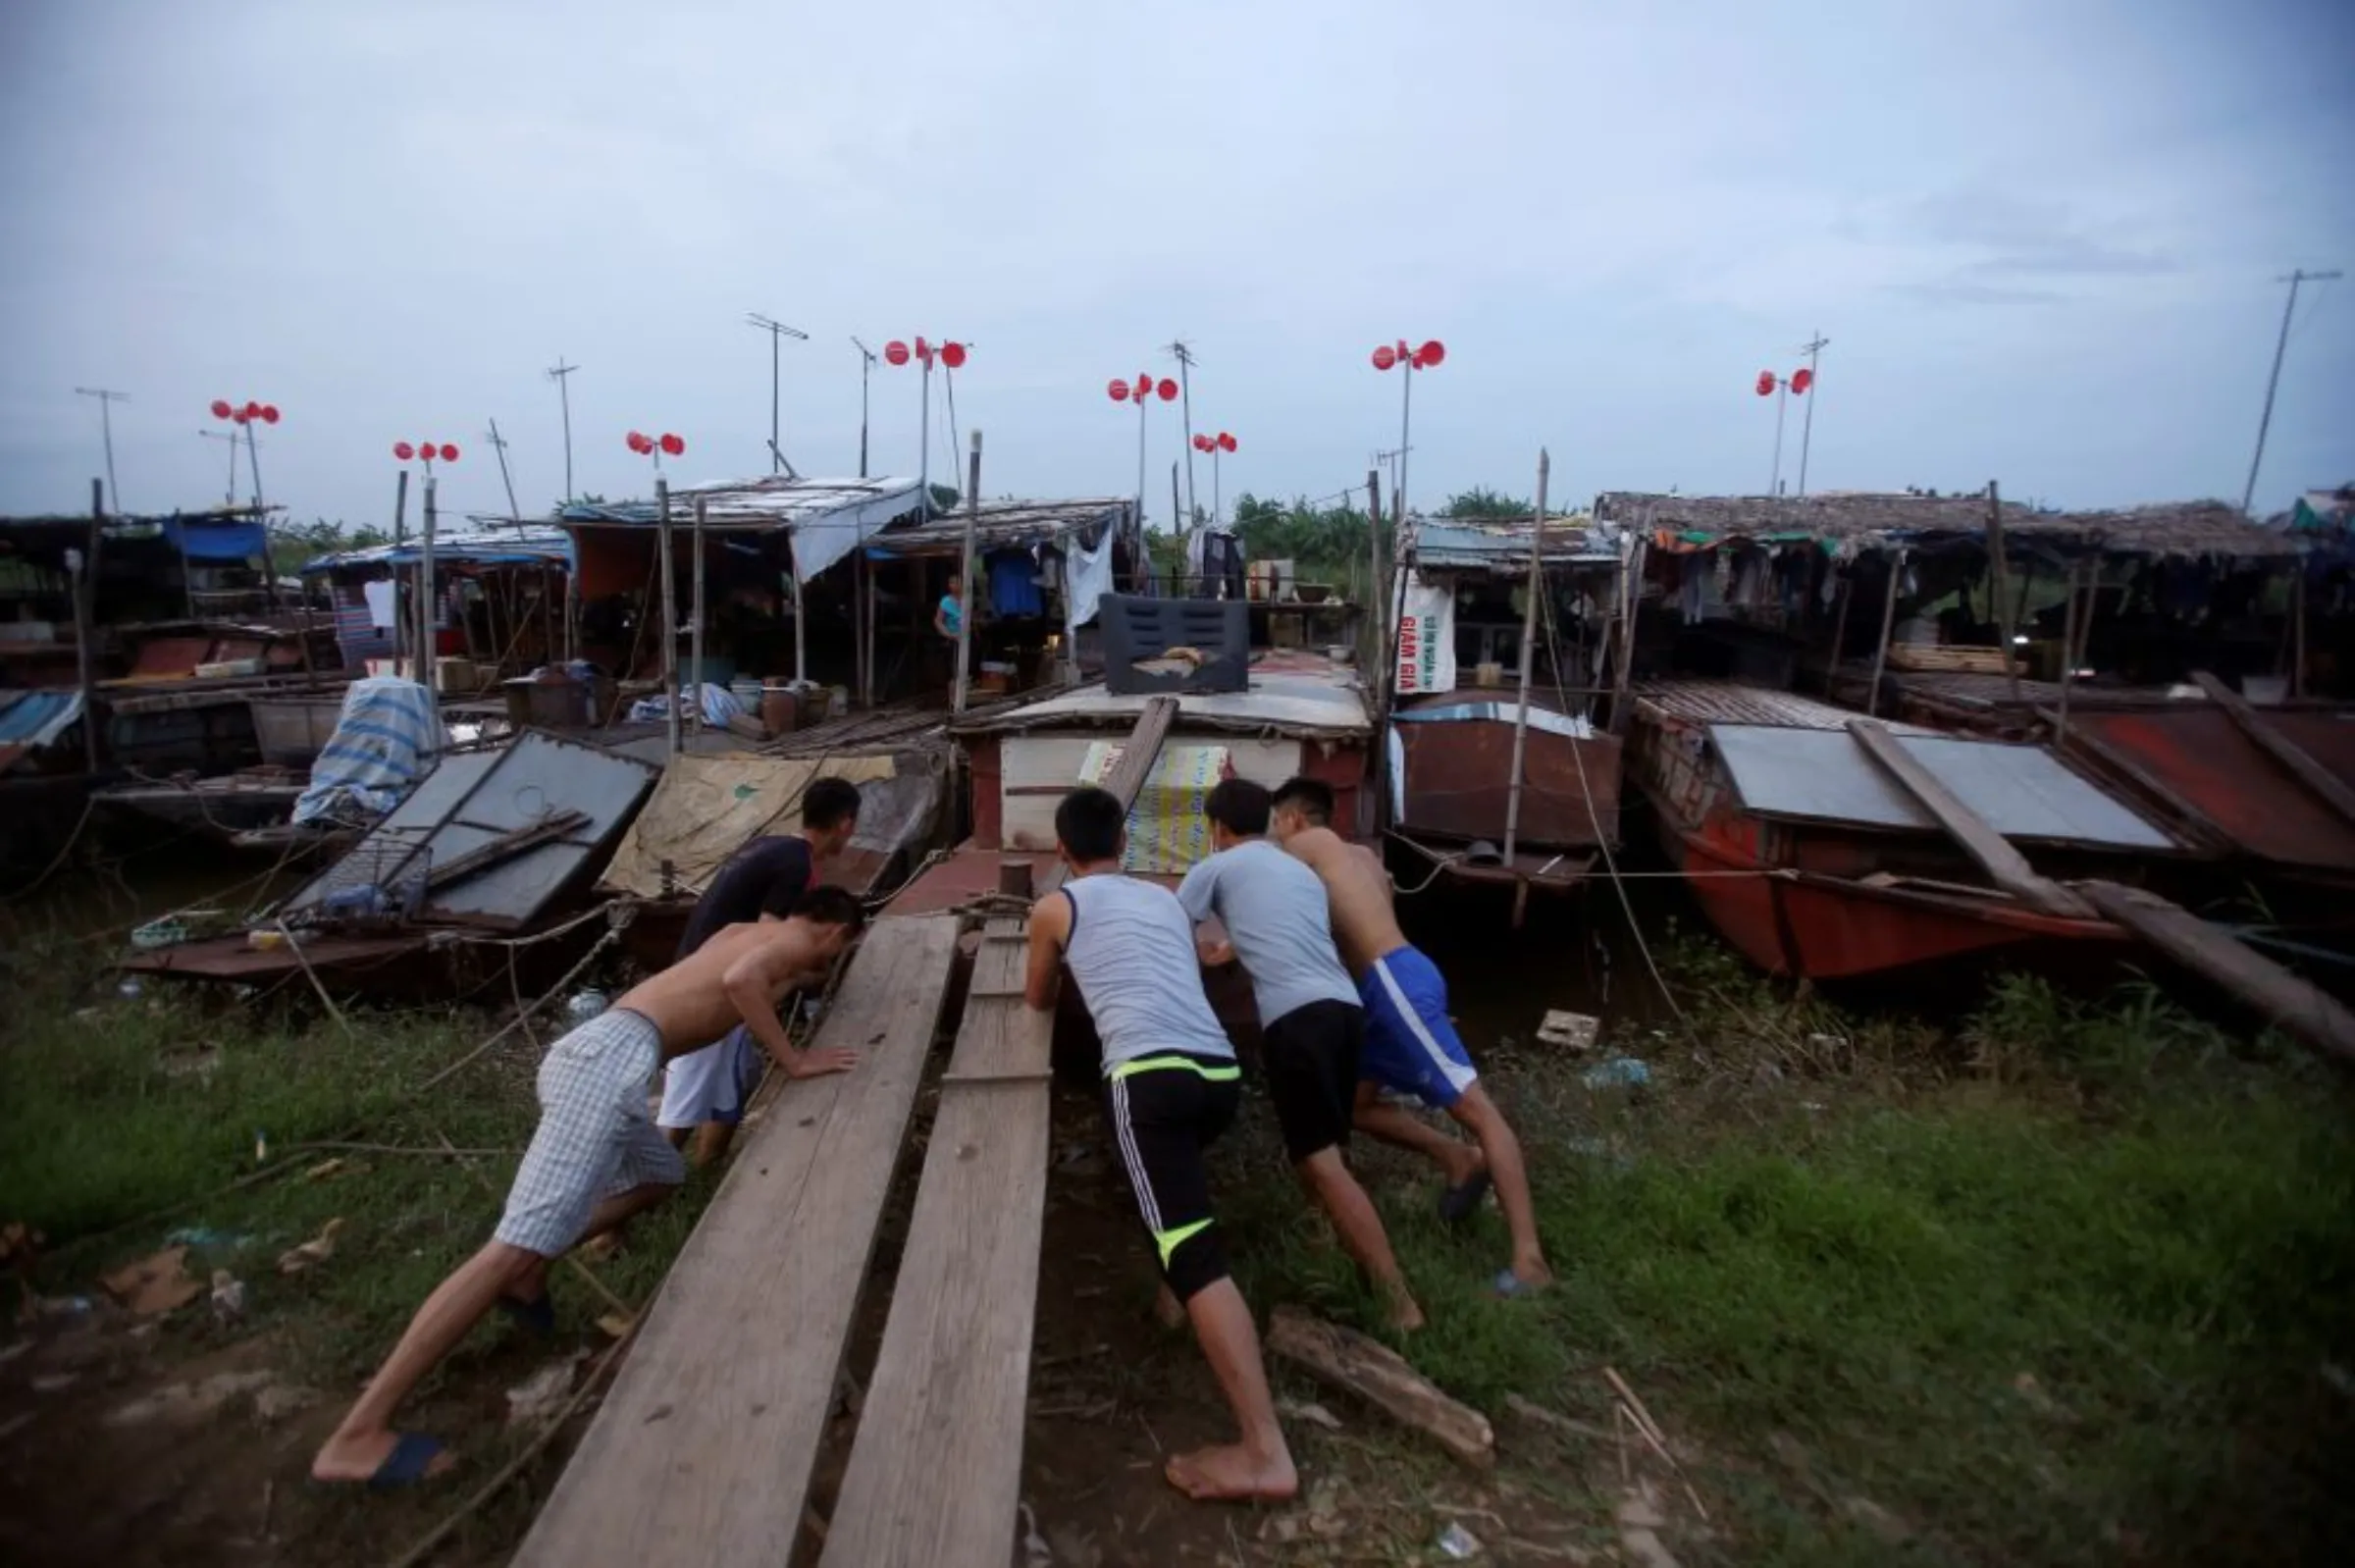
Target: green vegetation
<point x="2061" y="1285"/>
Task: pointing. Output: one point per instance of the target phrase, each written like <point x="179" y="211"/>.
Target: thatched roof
<point x="1871" y="521"/>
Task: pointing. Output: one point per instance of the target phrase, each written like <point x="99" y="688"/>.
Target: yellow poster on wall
<point x="1168" y="834"/>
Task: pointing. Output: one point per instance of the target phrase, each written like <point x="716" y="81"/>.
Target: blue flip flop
<point x="1509" y="1285"/>
<point x="412" y="1456"/>
<point x="539" y="1314"/>
<point x="1459" y="1202"/>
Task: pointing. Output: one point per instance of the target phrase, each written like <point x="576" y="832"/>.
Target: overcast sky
<point x="2042" y="236"/>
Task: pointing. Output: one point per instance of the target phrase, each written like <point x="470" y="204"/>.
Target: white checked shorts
<point x="595" y="1138"/>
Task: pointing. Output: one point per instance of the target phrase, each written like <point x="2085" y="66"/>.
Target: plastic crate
<point x="1137" y="628"/>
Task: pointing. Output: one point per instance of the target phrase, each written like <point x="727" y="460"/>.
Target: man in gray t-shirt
<point x="1278" y="923"/>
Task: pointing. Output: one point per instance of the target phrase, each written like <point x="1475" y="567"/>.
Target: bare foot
<point x="1462" y="1162"/>
<point x="1531" y="1273"/>
<point x="1233" y="1473"/>
<point x="1405" y="1316"/>
<point x="359" y="1458"/>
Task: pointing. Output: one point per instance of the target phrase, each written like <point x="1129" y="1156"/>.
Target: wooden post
<point x="1374" y="550"/>
<point x="426" y="644"/>
<point x="1880" y="653"/>
<point x="1632" y="598"/>
<point x="85" y="626"/>
<point x="1179" y="587"/>
<point x="2068" y="652"/>
<point x="965" y="608"/>
<point x="2297" y="621"/>
<point x="696" y="649"/>
<point x="1998" y="582"/>
<point x="1846" y="595"/>
<point x="1529" y="635"/>
<point x="402" y="622"/>
<point x="669" y="622"/>
<point x="859" y="614"/>
<point x="801" y="611"/>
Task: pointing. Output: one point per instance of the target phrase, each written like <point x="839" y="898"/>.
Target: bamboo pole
<point x="2069" y="654"/>
<point x="1374" y="550"/>
<point x="1880" y="653"/>
<point x="965" y="608"/>
<point x="1998" y="582"/>
<point x="669" y="622"/>
<point x="1528" y="636"/>
<point x="85" y="625"/>
<point x="696" y="627"/>
<point x="426" y="646"/>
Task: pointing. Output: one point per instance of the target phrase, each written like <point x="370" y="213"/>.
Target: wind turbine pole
<point x="498" y="445"/>
<point x="106" y="427"/>
<point x="1807" y="430"/>
<point x="2273" y="382"/>
<point x="777" y="331"/>
<point x="557" y="373"/>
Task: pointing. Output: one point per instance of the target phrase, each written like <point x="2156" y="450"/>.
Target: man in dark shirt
<point x="706" y="1090"/>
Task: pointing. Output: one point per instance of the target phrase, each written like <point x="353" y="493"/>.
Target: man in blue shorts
<point x="1411" y="1045"/>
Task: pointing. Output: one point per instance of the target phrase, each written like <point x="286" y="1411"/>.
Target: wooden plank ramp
<point x="704" y="1450"/>
<point x="2297" y="1005"/>
<point x="936" y="1468"/>
<point x="2005" y="865"/>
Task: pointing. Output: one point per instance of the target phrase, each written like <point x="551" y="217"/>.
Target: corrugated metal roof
<point x="1461" y="545"/>
<point x="2022" y="791"/>
<point x="1726" y="702"/>
<point x="516" y="546"/>
<point x="759" y="504"/>
<point x="1002" y="525"/>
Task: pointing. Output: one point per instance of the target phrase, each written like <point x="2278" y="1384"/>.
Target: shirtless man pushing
<point x="597" y="1159"/>
<point x="1411" y="1046"/>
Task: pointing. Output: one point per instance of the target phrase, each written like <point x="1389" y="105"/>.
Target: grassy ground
<point x="2056" y="1286"/>
<point x="2052" y="1282"/>
<point x="122" y="1118"/>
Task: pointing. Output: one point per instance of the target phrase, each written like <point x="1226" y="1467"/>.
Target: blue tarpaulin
<point x="216" y="542"/>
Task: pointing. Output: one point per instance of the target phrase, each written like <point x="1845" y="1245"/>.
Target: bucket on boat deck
<point x="780" y="710"/>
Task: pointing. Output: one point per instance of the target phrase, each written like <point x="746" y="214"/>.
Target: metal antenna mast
<point x="866" y="363"/>
<point x="1807" y="431"/>
<point x="1185" y="363"/>
<point x="499" y="444"/>
<point x="777" y="331"/>
<point x="2273" y="382"/>
<point x="106" y="426"/>
<point x="557" y="373"/>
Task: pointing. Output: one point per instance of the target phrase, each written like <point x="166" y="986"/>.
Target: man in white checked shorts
<point x="597" y="1159"/>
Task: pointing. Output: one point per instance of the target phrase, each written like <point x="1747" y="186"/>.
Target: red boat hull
<point x="1797" y="923"/>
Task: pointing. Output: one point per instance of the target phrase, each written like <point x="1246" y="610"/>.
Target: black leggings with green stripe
<point x="1163" y="1111"/>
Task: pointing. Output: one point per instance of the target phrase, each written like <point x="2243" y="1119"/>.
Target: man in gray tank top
<point x="1312" y="1028"/>
<point x="1171" y="1086"/>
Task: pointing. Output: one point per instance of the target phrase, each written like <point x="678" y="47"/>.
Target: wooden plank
<point x="1345" y="1359"/>
<point x="2304" y="1010"/>
<point x="2005" y="865"/>
<point x="935" y="1472"/>
<point x="936" y="1468"/>
<point x="702" y="1451"/>
<point x="2331" y="788"/>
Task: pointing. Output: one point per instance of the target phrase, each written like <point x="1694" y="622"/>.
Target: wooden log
<point x="2005" y="865"/>
<point x="2317" y="778"/>
<point x="2304" y="1010"/>
<point x="1345" y="1359"/>
<point x="704" y="1450"/>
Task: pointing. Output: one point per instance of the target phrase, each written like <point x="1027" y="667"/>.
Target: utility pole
<point x="106" y="426"/>
<point x="867" y="364"/>
<point x="498" y="445"/>
<point x="1185" y="363"/>
<point x="1806" y="434"/>
<point x="777" y="331"/>
<point x="231" y="501"/>
<point x="557" y="373"/>
<point x="2273" y="382"/>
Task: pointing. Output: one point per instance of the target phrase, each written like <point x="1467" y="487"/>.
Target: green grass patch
<point x="2059" y="1284"/>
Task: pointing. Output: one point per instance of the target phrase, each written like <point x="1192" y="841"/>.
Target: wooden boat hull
<point x="1801" y="923"/>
